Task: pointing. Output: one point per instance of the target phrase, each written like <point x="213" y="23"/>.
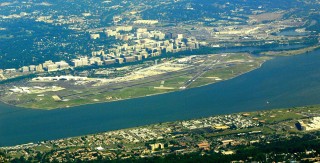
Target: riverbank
<point x="277" y="84"/>
<point x="291" y="52"/>
<point x="206" y="73"/>
<point x="175" y="82"/>
<point x="234" y="129"/>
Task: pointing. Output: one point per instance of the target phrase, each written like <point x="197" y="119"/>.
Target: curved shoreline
<point x="100" y="102"/>
<point x="301" y="52"/>
<point x="222" y="98"/>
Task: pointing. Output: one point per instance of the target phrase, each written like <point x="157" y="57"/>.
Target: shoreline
<point x="170" y="122"/>
<point x="212" y="111"/>
<point x="100" y="102"/>
<point x="298" y="52"/>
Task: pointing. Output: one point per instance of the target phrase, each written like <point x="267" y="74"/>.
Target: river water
<point x="283" y="82"/>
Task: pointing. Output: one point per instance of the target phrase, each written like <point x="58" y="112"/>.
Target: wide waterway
<point x="281" y="82"/>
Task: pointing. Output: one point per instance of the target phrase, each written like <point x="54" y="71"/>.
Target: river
<point x="283" y="82"/>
